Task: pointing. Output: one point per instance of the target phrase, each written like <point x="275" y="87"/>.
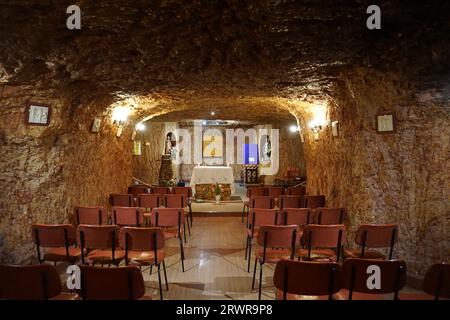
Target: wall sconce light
<point x="140" y="127"/>
<point x="120" y="116"/>
<point x="316" y="127"/>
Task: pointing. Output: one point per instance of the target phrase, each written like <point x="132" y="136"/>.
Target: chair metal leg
<point x="189" y="228"/>
<point x="182" y="254"/>
<point x="249" y="254"/>
<point x="159" y="280"/>
<point x="190" y="213"/>
<point x="151" y="269"/>
<point x="254" y="274"/>
<point x="260" y="280"/>
<point x="184" y="233"/>
<point x="246" y="249"/>
<point x="165" y="275"/>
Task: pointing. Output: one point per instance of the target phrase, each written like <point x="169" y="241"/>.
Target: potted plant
<point x="217" y="193"/>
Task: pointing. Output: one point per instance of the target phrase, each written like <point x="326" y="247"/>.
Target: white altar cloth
<point x="211" y="175"/>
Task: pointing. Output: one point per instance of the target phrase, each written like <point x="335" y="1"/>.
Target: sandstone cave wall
<point x="45" y="171"/>
<point x="401" y="177"/>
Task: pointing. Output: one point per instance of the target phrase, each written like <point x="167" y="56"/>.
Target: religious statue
<point x="266" y="150"/>
<point x="168" y="149"/>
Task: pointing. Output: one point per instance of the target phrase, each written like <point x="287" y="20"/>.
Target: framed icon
<point x="95" y="126"/>
<point x="385" y="122"/>
<point x="37" y="115"/>
<point x="335" y="128"/>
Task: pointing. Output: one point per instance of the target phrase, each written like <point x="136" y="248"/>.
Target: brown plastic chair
<point x="274" y="191"/>
<point x="297" y="280"/>
<point x="436" y="284"/>
<point x="356" y="273"/>
<point x="102" y="243"/>
<point x="149" y="201"/>
<point x="37" y="282"/>
<point x="91" y="215"/>
<point x="313" y="202"/>
<point x="251" y="192"/>
<point x="187" y="193"/>
<point x="374" y="236"/>
<point x="145" y="247"/>
<point x="320" y="240"/>
<point x="329" y="215"/>
<point x="138" y="189"/>
<point x="59" y="241"/>
<point x="286" y="201"/>
<point x="160" y="190"/>
<point x="257" y="218"/>
<point x="178" y="201"/>
<point x="296" y="191"/>
<point x="121" y="200"/>
<point x="123" y="283"/>
<point x="274" y="244"/>
<point x="128" y="216"/>
<point x="171" y="220"/>
<point x="298" y="216"/>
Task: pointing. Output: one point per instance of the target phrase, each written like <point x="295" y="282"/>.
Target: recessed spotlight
<point x="293" y="128"/>
<point x="213" y="113"/>
<point x="140" y="127"/>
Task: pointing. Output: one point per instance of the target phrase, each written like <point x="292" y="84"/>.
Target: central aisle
<point x="214" y="267"/>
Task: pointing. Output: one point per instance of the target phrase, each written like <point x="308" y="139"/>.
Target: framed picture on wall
<point x="385" y="122"/>
<point x="37" y="115"/>
<point x="95" y="126"/>
<point x="335" y="128"/>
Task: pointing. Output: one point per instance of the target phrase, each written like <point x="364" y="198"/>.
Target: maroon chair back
<point x="149" y="200"/>
<point x="128" y="216"/>
<point x="260" y="217"/>
<point x="141" y="239"/>
<point x="297" y="216"/>
<point x="437" y="281"/>
<point x="329" y="215"/>
<point x="175" y="201"/>
<point x="91" y="215"/>
<point x="262" y="202"/>
<point x="271" y="236"/>
<point x="160" y="190"/>
<point x="275" y="192"/>
<point x="186" y="191"/>
<point x="168" y="217"/>
<point x="324" y="236"/>
<point x="314" y="202"/>
<point x="138" y="189"/>
<point x="98" y="237"/>
<point x="53" y="235"/>
<point x="377" y="236"/>
<point x="356" y="272"/>
<point x="121" y="200"/>
<point x="39" y="282"/>
<point x="256" y="191"/>
<point x="286" y="201"/>
<point x="307" y="278"/>
<point x="296" y="191"/>
<point x="122" y="283"/>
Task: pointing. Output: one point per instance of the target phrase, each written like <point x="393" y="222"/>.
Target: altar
<point x="204" y="179"/>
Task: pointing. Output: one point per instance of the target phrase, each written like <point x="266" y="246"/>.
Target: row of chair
<point x="141" y="188"/>
<point x="275" y="191"/>
<point x="308" y="280"/>
<point x="282" y="202"/>
<point x="292" y="279"/>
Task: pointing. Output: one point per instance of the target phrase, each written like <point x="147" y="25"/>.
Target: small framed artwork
<point x="37" y="115"/>
<point x="385" y="122"/>
<point x="95" y="126"/>
<point x="335" y="128"/>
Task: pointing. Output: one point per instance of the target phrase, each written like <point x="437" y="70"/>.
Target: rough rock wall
<point x="45" y="171"/>
<point x="400" y="177"/>
<point x="146" y="166"/>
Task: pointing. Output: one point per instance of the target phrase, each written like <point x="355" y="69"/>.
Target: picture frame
<point x="385" y="122"/>
<point x="95" y="126"/>
<point x="335" y="128"/>
<point x="38" y="114"/>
